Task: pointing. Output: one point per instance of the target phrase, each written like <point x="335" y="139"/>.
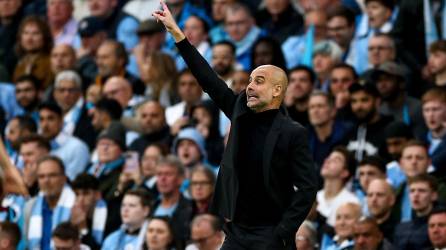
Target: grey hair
<point x="172" y="161"/>
<point x="68" y="75"/>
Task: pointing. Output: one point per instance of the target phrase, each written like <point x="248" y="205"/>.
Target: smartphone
<point x="131" y="161"/>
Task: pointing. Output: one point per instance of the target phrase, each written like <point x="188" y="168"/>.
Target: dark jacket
<point x="84" y="129"/>
<point x="412" y="234"/>
<point x="287" y="160"/>
<point x="163" y="136"/>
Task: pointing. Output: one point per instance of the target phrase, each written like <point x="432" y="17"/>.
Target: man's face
<point x="118" y="89"/>
<point x="346" y="217"/>
<point x="13" y="132"/>
<point x="395" y="146"/>
<point x="219" y="9"/>
<point x="31" y="38"/>
<point x="108" y="150"/>
<point x="222" y="59"/>
<point x="188" y="89"/>
<point x="66" y="94"/>
<point x="437" y="62"/>
<point x="414" y="161"/>
<point x="31" y="152"/>
<point x="378" y="14"/>
<point x="188" y="152"/>
<point x="262" y="89"/>
<point x="364" y="106"/>
<point x="388" y="87"/>
<point x="238" y="24"/>
<point x="367" y="173"/>
<point x="380" y="50"/>
<point x="263" y="54"/>
<point x="322" y="64"/>
<point x="339" y="30"/>
<point x="133" y="213"/>
<point x="59" y="11"/>
<point x="421" y="196"/>
<point x="379" y="198"/>
<point x="367" y="236"/>
<point x="101" y="8"/>
<point x="97" y="118"/>
<point x="240" y="81"/>
<point x="200" y="187"/>
<point x="86" y="198"/>
<point x="194" y="30"/>
<point x="151" y="117"/>
<point x="50" y="178"/>
<point x="340" y="80"/>
<point x="437" y="230"/>
<point x="319" y="111"/>
<point x="25" y="94"/>
<point x="434" y="113"/>
<point x="8" y="8"/>
<point x="107" y="61"/>
<point x="50" y="123"/>
<point x="168" y="179"/>
<point x="334" y="166"/>
<point x="204" y="236"/>
<point x="62" y="58"/>
<point x="300" y="85"/>
<point x="150" y="158"/>
<point x="61" y="244"/>
<point x="275" y="7"/>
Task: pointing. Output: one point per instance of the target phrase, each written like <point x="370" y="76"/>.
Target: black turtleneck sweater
<point x="254" y="206"/>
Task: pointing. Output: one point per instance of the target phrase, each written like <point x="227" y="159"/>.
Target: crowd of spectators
<point x="109" y="142"/>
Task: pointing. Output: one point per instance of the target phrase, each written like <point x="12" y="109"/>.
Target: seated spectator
<point x="149" y="160"/>
<point x="437" y="63"/>
<point x="218" y="9"/>
<point x="17" y="128"/>
<point x="342" y="76"/>
<point x="68" y="95"/>
<point x="51" y="206"/>
<point x="380" y="202"/>
<point x="72" y="151"/>
<point x="105" y="112"/>
<point x="66" y="236"/>
<point x="223" y="60"/>
<point x="423" y="195"/>
<point x="89" y="212"/>
<point x="119" y="89"/>
<point x="266" y="50"/>
<point x="160" y="235"/>
<point x="10" y="235"/>
<point x="61" y="21"/>
<point x="341" y="29"/>
<point x="437" y="228"/>
<point x="326" y="54"/>
<point x="206" y="233"/>
<point x="63" y="57"/>
<point x="189" y="146"/>
<point x="306" y="237"/>
<point x="136" y="206"/>
<point x="27" y="95"/>
<point x="240" y="82"/>
<point x="202" y="183"/>
<point x="367" y="235"/>
<point x="381" y="49"/>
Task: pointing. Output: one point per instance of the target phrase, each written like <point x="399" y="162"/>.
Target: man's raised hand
<point x="165" y="16"/>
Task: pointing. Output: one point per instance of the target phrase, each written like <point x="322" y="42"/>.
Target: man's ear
<point x="277" y="90"/>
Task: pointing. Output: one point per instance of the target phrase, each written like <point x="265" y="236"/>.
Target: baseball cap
<point x="90" y="26"/>
<point x="150" y="26"/>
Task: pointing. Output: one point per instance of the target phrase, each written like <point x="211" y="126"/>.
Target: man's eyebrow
<point x="259" y="77"/>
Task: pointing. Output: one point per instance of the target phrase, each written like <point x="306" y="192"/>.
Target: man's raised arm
<point x="217" y="89"/>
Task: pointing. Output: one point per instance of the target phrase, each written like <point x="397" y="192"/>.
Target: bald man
<point x="63" y="57"/>
<point x="120" y="89"/>
<point x="267" y="180"/>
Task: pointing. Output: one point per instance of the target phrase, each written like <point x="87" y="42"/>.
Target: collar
<point x="134" y="232"/>
<point x="59" y="141"/>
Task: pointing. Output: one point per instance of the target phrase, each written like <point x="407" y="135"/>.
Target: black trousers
<point x="252" y="238"/>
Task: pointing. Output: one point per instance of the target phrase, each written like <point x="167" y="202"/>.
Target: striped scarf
<point x="99" y="221"/>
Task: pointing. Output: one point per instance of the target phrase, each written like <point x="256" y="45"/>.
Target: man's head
<point x="136" y="206"/>
<point x="63" y="57"/>
<point x="266" y="89"/>
<point x="338" y="164"/>
<point x="301" y="82"/>
<point x="381" y="49"/>
<point x="18" y="127"/>
<point x="189" y="146"/>
<point x="317" y="18"/>
<point x="8" y="9"/>
<point x="188" y="88"/>
<point x="102" y="8"/>
<point x="223" y="57"/>
<point x="267" y="50"/>
<point x="414" y="158"/>
<point x="27" y="91"/>
<point x="379" y="12"/>
<point x="364" y="101"/>
<point x="206" y="232"/>
<point x="111" y="58"/>
<point x="367" y="234"/>
<point x="397" y="135"/>
<point x="59" y="12"/>
<point x="346" y="217"/>
<point x="9" y="234"/>
<point x="105" y="111"/>
<point x="111" y="143"/>
<point x="238" y="21"/>
<point x="389" y="79"/>
<point x="202" y="182"/>
<point x="66" y="236"/>
<point x="437" y="228"/>
<point x="380" y="198"/>
<point x="50" y="120"/>
<point x="370" y="168"/>
<point x="422" y="193"/>
<point x="151" y="34"/>
<point x="434" y="109"/>
<point x="151" y="117"/>
<point x="170" y="174"/>
<point x="32" y="148"/>
<point x="150" y="158"/>
<point x="67" y="89"/>
<point x="51" y="176"/>
<point x="92" y="32"/>
<point x="437" y="57"/>
<point x="219" y="9"/>
<point x="118" y="88"/>
<point x="240" y="81"/>
<point x="342" y="76"/>
<point x="321" y="109"/>
<point x="87" y="192"/>
<point x="326" y="55"/>
<point x="196" y="30"/>
<point x="341" y="26"/>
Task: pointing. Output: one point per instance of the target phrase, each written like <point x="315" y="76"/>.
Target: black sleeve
<point x="217" y="89"/>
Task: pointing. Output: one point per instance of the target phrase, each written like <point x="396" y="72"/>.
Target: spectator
<point x="368" y="236"/>
<point x="61" y="21"/>
<point x="33" y="47"/>
<point x="341" y="29"/>
<point x="11" y="15"/>
<point x="326" y="55"/>
<point x="437" y="229"/>
<point x="160" y="234"/>
<point x="66" y="236"/>
<point x="266" y="50"/>
<point x="27" y="94"/>
<point x="120" y="89"/>
<point x="68" y="95"/>
<point x="63" y="57"/>
<point x="342" y="76"/>
<point x="240" y="81"/>
<point x="10" y="235"/>
<point x="72" y="151"/>
<point x="51" y="206"/>
<point x="223" y="60"/>
<point x="119" y="25"/>
<point x="136" y="206"/>
<point x="149" y="160"/>
<point x="381" y="49"/>
<point x="18" y="127"/>
<point x="189" y="146"/>
<point x="437" y="62"/>
<point x="306" y="237"/>
<point x="104" y="113"/>
<point x="217" y="32"/>
<point x="202" y="183"/>
<point x="206" y="233"/>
